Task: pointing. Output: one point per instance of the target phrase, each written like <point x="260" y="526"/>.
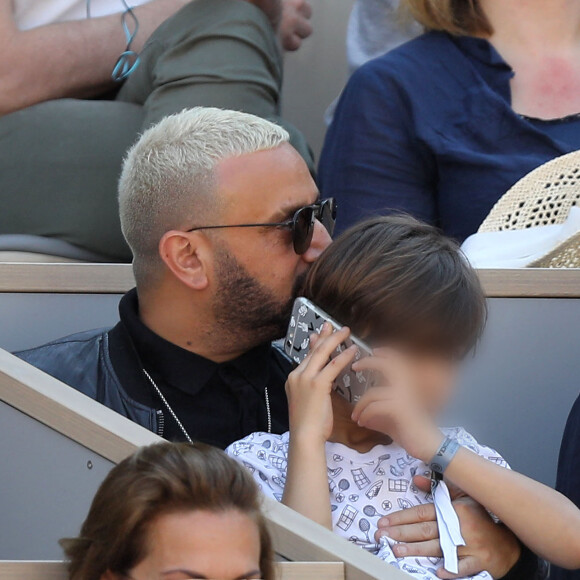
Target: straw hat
<point x="543" y="197"/>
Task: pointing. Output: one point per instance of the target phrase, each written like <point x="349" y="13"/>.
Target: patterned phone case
<point x="306" y="319"/>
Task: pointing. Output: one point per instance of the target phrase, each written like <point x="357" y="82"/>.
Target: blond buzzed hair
<point x="168" y="176"/>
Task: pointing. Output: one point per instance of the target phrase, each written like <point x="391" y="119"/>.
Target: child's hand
<point x="310" y="384"/>
<point x="391" y="407"/>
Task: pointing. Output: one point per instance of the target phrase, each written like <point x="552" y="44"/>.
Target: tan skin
<point x="413" y="389"/>
<point x="488" y="547"/>
<point x="199" y="544"/>
<point x="295" y="26"/>
<point x="541" y="41"/>
<point x="264" y="187"/>
<point x="75" y="59"/>
<point x="267" y="185"/>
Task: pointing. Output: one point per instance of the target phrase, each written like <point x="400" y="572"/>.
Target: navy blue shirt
<point x="428" y="129"/>
<point x="569" y="475"/>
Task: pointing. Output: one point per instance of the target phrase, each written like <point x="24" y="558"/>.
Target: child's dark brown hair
<point x="397" y="279"/>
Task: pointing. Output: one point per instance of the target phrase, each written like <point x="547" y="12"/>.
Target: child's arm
<point x="306" y="489"/>
<point x="308" y="388"/>
<point x="543" y="519"/>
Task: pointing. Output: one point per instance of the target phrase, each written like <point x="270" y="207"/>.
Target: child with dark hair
<point x="409" y="293"/>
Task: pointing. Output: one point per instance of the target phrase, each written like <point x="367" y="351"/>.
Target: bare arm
<point x="306" y="488"/>
<point x="68" y="59"/>
<point x="543" y="519"/>
<point x="310" y="409"/>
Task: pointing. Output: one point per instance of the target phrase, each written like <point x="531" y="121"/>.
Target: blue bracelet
<point x="444" y="455"/>
<point x="128" y="60"/>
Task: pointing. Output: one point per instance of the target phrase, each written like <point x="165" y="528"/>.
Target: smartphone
<point x="307" y="319"/>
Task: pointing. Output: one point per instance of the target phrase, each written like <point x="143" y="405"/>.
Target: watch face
<point x="308" y="319"/>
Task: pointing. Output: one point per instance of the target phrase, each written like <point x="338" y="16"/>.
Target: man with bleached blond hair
<point x="191" y="358"/>
<point x="224" y="220"/>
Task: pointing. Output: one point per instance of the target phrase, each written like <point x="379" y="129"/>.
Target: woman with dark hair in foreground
<point x="175" y="511"/>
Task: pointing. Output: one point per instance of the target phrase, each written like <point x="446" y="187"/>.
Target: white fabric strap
<point x="448" y="523"/>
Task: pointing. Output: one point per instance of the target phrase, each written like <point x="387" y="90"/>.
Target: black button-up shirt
<point x="217" y="403"/>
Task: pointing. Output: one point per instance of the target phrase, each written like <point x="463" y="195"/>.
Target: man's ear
<point x="188" y="256"/>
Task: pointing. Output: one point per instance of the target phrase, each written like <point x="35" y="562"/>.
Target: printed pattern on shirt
<point x="363" y="488"/>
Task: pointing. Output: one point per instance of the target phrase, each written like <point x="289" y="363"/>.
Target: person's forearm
<point x="69" y="59"/>
<point x="306" y="489"/>
<point x="544" y="520"/>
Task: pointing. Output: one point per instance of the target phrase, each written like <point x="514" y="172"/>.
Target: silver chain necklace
<point x="180" y="424"/>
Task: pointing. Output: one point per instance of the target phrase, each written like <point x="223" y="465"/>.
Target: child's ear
<point x="108" y="575"/>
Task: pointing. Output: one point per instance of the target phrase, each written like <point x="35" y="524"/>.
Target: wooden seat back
<point x="55" y="570"/>
<point x="64" y="443"/>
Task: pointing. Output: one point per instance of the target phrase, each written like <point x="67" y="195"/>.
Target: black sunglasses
<point x="301" y="224"/>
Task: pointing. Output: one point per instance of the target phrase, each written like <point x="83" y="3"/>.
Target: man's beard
<point x="246" y="311"/>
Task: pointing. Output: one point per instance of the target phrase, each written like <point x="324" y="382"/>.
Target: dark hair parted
<point x="399" y="280"/>
<point x="157" y="480"/>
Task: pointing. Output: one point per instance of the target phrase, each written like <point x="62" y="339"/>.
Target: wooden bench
<point x="31" y="570"/>
<point x="517" y="391"/>
<point x="58" y="299"/>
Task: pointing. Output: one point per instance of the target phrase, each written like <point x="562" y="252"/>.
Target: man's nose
<point x="320" y="241"/>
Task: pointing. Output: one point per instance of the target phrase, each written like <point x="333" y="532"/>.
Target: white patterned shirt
<point x="363" y="487"/>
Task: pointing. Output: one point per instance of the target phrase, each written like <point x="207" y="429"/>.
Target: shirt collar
<point x="488" y="61"/>
<point x="182" y="368"/>
<point x="481" y="49"/>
